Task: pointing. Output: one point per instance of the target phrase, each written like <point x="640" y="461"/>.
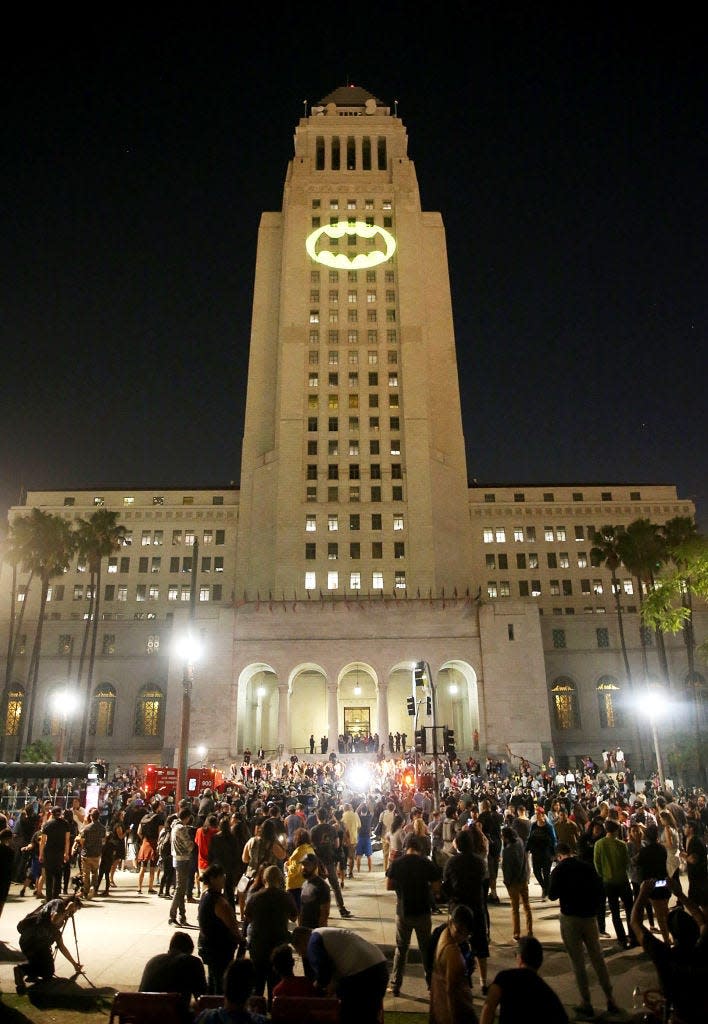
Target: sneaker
<point x="183" y="922"/>
<point x="395" y="990"/>
<point x="20" y="986"/>
<point x="172" y="920"/>
<point x="584" y="1012"/>
<point x="152" y="892"/>
<point x="343" y="912"/>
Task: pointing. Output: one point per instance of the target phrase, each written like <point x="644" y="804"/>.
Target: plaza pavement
<point x="118" y="934"/>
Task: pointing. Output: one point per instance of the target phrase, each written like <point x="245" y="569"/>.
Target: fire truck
<point x="162" y="781"/>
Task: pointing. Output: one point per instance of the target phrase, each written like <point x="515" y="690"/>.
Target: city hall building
<point x="354" y="546"/>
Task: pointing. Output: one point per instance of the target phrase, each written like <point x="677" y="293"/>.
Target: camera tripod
<point x="82" y="972"/>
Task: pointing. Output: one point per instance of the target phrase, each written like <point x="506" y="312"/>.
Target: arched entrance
<point x="258" y="708"/>
<point x="457" y="703"/>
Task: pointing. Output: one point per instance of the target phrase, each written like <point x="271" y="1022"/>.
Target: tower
<point x="353" y="473"/>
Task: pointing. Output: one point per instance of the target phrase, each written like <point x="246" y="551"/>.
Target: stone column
<point x="284" y="718"/>
<point x="332" y="718"/>
<point x="382" y="713"/>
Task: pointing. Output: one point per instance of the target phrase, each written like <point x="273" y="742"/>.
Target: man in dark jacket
<point x="515" y="871"/>
<point x="411" y="877"/>
<point x="177" y="970"/>
<point x="578" y="887"/>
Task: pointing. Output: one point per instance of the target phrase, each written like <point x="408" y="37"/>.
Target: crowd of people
<point x="263" y="860"/>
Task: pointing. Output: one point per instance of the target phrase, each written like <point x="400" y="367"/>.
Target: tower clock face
<point x="379" y="243"/>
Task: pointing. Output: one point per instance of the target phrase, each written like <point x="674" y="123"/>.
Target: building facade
<point x="354" y="546"/>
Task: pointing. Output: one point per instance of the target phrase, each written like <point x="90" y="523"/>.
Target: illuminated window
<point x="554" y="586"/>
<point x="535" y="588"/>
<point x="148" y="711"/>
<point x="505" y="590"/>
<point x="128" y="500"/>
<point x="564" y="560"/>
<point x="310" y="580"/>
<point x="565" y="704"/>
<point x="500" y="535"/>
<point x="204" y="593"/>
<point x="332" y="580"/>
<point x="548" y="534"/>
<point x="608" y="703"/>
<point x="377" y="581"/>
<point x="355" y="581"/>
<point x="488" y="535"/>
<point x="399" y="579"/>
<point x="518" y="534"/>
<point x="491" y="588"/>
<point x="173" y="592"/>
<point x="582" y="559"/>
<point x="157" y="538"/>
<point x="15" y="700"/>
<point x="112" y="565"/>
<point x="628" y="586"/>
<point x="103" y="705"/>
<point x="122" y="593"/>
<point x="146" y="538"/>
<point x="313" y="380"/>
<point x="597" y="587"/>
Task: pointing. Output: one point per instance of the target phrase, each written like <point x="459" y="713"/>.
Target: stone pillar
<point x="382" y="713"/>
<point x="332" y="718"/>
<point x="284" y="719"/>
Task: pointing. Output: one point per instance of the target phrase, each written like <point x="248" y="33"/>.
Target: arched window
<point x="15" y="699"/>
<point x="53" y="719"/>
<point x="608" y="704"/>
<point x="565" y="704"/>
<point x="148" y="711"/>
<point x="103" y="706"/>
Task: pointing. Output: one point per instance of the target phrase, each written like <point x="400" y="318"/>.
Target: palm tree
<point x="641" y="549"/>
<point x="98" y="537"/>
<point x="607" y="551"/>
<point x="49" y="547"/>
<point x="680" y="537"/>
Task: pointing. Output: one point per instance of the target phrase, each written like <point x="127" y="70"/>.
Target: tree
<point x="49" y="545"/>
<point x="607" y="551"/>
<point x="669" y="609"/>
<point x="681" y="538"/>
<point x="99" y="536"/>
<point x="41" y="751"/>
<point x="641" y="548"/>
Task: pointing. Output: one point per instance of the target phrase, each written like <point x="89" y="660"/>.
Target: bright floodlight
<point x="261" y="691"/>
<point x="357" y="690"/>
<point x="654" y="702"/>
<point x="65" y="702"/>
<point x="188" y="648"/>
<point x="452" y="689"/>
<point x="359" y="776"/>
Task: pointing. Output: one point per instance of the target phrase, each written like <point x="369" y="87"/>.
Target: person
<point x="312" y="743"/>
<point x="345" y="963"/>
<point x="635" y="842"/>
<point x="226" y="849"/>
<point x="412" y="877"/>
<point x="351" y="824"/>
<point x="612" y="862"/>
<point x="294" y="876"/>
<point x="383" y="828"/>
<point x="177" y="970"/>
<point x="394" y="839"/>
<point x="39" y="932"/>
<point x="577" y="886"/>
<point x="450" y="985"/>
<point x="326" y="844"/>
<point x="541" y="845"/>
<point x="267" y="914"/>
<point x="316" y="896"/>
<point x="651" y="862"/>
<point x="164" y="859"/>
<point x="696" y="863"/>
<point x="182" y="844"/>
<point x="491" y="823"/>
<point x="219" y="933"/>
<point x="515" y="872"/>
<point x="54" y="851"/>
<point x="92" y="837"/>
<point x="7" y="859"/>
<point x="112" y="852"/>
<point x="519" y="989"/>
<point x="282" y="963"/>
<point x="669" y="839"/>
<point x="567" y="830"/>
<point x="683" y="968"/>
<point x="463" y="882"/>
<point x="148" y="833"/>
<point x="238" y="986"/>
<point x="363" y="842"/>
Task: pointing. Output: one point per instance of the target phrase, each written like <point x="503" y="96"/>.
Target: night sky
<point x="567" y="155"/>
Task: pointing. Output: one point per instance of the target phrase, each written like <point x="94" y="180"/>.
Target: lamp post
<point x="188" y="650"/>
<point x="654" y="705"/>
<point x="64" y="704"/>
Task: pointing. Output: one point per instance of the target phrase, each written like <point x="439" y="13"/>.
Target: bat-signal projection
<point x="339" y="259"/>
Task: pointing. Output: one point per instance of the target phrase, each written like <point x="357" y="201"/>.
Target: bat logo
<point x="339" y="260"/>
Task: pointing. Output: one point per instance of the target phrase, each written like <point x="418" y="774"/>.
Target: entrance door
<point x="357" y="721"/>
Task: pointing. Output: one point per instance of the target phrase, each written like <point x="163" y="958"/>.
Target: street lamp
<point x="64" y="703"/>
<point x="188" y="649"/>
<point x="654" y="704"/>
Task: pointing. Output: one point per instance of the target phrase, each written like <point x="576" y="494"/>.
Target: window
<point x="518" y="534"/>
<point x="313" y="380"/>
<point x="310" y="580"/>
<point x="394" y="423"/>
<point x="140" y="592"/>
<point x="157" y="538"/>
<point x="143" y="564"/>
<point x="174" y="564"/>
<point x="219" y="563"/>
<point x="310" y="551"/>
<point x="109" y="592"/>
<point x="504" y="588"/>
<point x="332" y="580"/>
<point x="78" y="592"/>
<point x="148" y="711"/>
<point x="565" y="703"/>
<point x="577" y="495"/>
<point x="582" y="559"/>
<point x="491" y="588"/>
<point x="491" y="561"/>
<point x="333" y="493"/>
<point x="108" y="647"/>
<point x="333" y="551"/>
<point x="355" y="581"/>
<point x="377" y="549"/>
<point x="354" y="521"/>
<point x="399" y="549"/>
<point x="548" y="534"/>
<point x="597" y="587"/>
<point x="122" y="594"/>
<point x="146" y="538"/>
<point x="65" y="644"/>
<point x="531" y="533"/>
<point x="552" y="560"/>
<point x="112" y="565"/>
<point x="399" y="579"/>
<point x="311" y="494"/>
<point x="176" y="537"/>
<point x="519" y="496"/>
<point x="376" y="494"/>
<point x="488" y="535"/>
<point x="564" y="560"/>
<point x="585" y="587"/>
<point x="490" y="498"/>
<point x="332" y="472"/>
<point x="549" y="496"/>
<point x="535" y="588"/>
<point x="173" y="592"/>
<point x="15" y="700"/>
<point x="206" y="564"/>
<point x="521" y="561"/>
<point x="154" y="592"/>
<point x="554" y="586"/>
<point x="377" y="581"/>
<point x="187" y="564"/>
<point x="185" y="592"/>
<point x="567" y="588"/>
<point x="523" y="588"/>
<point x="628" y="586"/>
<point x="204" y="593"/>
<point x="398" y="522"/>
<point x="635" y="496"/>
<point x="396" y="494"/>
<point x="355" y="549"/>
<point x="533" y="560"/>
<point x="603" y="637"/>
<point x="103" y="704"/>
<point x="99" y="501"/>
<point x="500" y="535"/>
<point x="608" y="704"/>
<point x="606" y="496"/>
<point x="375" y="520"/>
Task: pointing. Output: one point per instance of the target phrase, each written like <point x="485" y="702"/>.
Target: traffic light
<point x="410" y="701"/>
<point x="429" y="706"/>
<point x="449" y="742"/>
<point x="420" y="741"/>
<point x="420" y="676"/>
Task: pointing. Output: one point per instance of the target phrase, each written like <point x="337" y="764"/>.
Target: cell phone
<point x="661" y="884"/>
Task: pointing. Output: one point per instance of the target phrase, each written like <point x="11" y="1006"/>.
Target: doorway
<point x="357" y="722"/>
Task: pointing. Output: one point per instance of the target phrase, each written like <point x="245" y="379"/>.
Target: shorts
<point x="147" y="854"/>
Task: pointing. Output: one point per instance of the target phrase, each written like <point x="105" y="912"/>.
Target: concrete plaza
<point x="116" y="936"/>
